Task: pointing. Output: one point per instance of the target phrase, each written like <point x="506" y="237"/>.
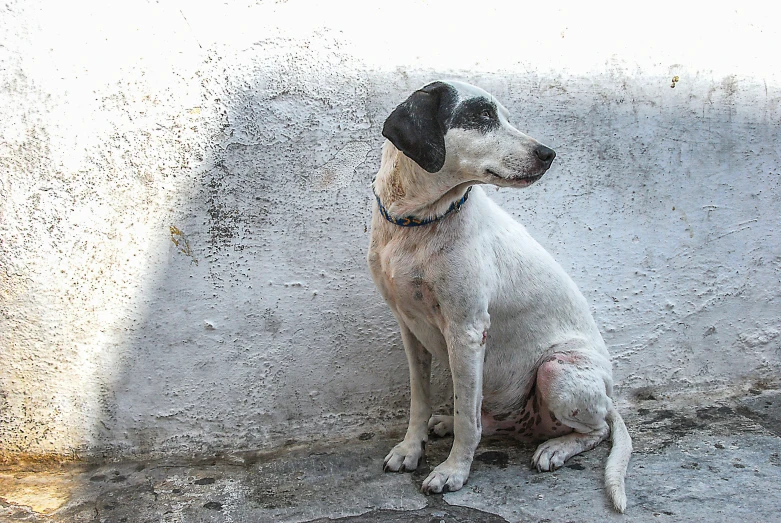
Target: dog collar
<point x="411" y="221"/>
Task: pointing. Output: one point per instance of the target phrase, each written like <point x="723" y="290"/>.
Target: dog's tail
<point x="617" y="461"/>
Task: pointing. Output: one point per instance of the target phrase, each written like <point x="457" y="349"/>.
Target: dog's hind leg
<point x="576" y="388"/>
<point x="441" y="425"/>
<point x="405" y="456"/>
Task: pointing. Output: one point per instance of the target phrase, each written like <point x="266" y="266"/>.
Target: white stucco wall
<point x="185" y="202"/>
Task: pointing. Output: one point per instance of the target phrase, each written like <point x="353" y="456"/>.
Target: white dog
<point x="469" y="285"/>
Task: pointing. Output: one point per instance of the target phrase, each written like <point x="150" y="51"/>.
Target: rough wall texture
<point x="185" y="201"/>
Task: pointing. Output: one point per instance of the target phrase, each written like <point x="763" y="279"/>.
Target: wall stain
<point x="181" y="242"/>
<point x="341" y="169"/>
<point x="685" y="220"/>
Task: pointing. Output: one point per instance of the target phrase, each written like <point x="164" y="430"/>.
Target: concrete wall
<point x="185" y="201"/>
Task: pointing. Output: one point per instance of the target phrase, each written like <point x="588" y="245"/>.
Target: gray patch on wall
<point x="340" y="171"/>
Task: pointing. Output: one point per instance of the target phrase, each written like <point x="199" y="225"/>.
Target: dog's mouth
<point x="523" y="180"/>
<point x="530" y="179"/>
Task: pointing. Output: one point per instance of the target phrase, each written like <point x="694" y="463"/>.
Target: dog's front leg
<point x="406" y="455"/>
<point x="466" y="350"/>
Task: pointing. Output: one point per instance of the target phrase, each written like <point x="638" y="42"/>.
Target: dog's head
<point x="459" y="128"/>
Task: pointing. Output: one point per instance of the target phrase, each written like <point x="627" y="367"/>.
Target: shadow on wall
<point x="258" y="323"/>
<point x="264" y="327"/>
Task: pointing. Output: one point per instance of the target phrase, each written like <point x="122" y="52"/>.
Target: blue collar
<point x="411" y="221"/>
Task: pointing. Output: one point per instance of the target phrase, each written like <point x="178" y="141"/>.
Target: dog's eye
<point x="486" y="114"/>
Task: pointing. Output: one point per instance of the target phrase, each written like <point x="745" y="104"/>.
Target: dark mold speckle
<point x="205" y="481"/>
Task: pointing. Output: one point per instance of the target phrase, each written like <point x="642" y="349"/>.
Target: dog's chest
<point x="407" y="279"/>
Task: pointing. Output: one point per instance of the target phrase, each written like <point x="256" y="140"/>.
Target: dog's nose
<point x="545" y="154"/>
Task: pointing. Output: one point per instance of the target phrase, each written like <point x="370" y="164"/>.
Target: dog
<point x="469" y="285"/>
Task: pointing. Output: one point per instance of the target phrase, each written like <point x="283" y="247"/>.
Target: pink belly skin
<point x="534" y="422"/>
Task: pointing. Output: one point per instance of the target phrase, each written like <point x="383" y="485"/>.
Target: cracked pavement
<point x="695" y="459"/>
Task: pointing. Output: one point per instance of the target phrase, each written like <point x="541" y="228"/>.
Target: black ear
<point x="417" y="126"/>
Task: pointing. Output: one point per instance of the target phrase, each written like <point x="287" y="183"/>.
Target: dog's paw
<point x="441" y="425"/>
<point x="552" y="454"/>
<point x="404" y="457"/>
<point x="447" y="477"/>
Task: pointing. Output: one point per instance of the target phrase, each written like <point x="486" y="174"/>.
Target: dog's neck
<point x="407" y="190"/>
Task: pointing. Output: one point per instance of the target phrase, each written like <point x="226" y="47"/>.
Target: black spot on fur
<point x="476" y="113"/>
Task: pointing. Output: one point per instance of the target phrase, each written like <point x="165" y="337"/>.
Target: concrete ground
<point x="694" y="460"/>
